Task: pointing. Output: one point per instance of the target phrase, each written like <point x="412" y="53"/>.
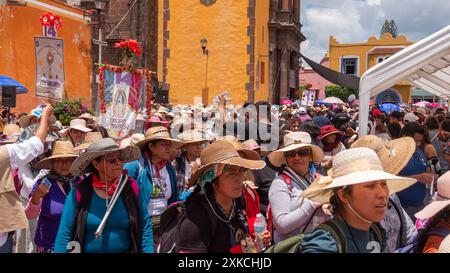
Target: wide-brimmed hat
<point x="441" y="199"/>
<point x="190" y="137"/>
<point x="244" y="153"/>
<point x="158" y="133"/>
<point x="88" y="117"/>
<point x="350" y="167"/>
<point x="77" y="124"/>
<point x="90" y="138"/>
<point x="24" y="121"/>
<point x="11" y="134"/>
<point x="293" y="141"/>
<point x="393" y="154"/>
<point x="135" y="138"/>
<point x="410" y="117"/>
<point x="222" y="152"/>
<point x="61" y="149"/>
<point x="328" y="130"/>
<point x="100" y="148"/>
<point x="251" y="144"/>
<point x="444" y="247"/>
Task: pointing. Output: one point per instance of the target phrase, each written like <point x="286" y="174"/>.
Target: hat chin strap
<point x="359" y="216"/>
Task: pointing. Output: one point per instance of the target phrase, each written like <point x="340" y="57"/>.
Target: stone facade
<point x="284" y="48"/>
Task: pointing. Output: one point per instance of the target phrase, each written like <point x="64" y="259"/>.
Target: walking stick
<point x="122" y="181"/>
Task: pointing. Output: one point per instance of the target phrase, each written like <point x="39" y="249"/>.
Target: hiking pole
<point x="122" y="181"/>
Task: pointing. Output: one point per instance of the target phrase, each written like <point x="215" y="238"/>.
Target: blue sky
<point x="357" y="20"/>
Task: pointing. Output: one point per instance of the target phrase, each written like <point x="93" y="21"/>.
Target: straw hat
<point x="245" y="153"/>
<point x="441" y="198"/>
<point x="444" y="247"/>
<point x="293" y="141"/>
<point x="135" y="138"/>
<point x="393" y="154"/>
<point x="158" y="133"/>
<point x="11" y="134"/>
<point x="90" y="138"/>
<point x="88" y="117"/>
<point x="99" y="148"/>
<point x="251" y="144"/>
<point x="350" y="167"/>
<point x="191" y="136"/>
<point x="222" y="152"/>
<point x="77" y="124"/>
<point x="61" y="149"/>
<point x="24" y="121"/>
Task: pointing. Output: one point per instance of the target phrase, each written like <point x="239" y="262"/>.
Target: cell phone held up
<point x="47" y="183"/>
<point x="38" y="110"/>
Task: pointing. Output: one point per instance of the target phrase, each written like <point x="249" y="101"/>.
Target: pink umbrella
<point x="433" y="105"/>
<point x="421" y="103"/>
<point x="285" y="102"/>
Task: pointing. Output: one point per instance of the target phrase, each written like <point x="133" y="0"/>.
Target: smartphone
<point x="38" y="110"/>
<point x="47" y="183"/>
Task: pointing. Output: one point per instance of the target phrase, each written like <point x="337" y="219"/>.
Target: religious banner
<point x="120" y="92"/>
<point x="308" y="97"/>
<point x="49" y="55"/>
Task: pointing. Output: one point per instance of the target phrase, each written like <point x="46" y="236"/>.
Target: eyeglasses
<point x="236" y="171"/>
<point x="115" y="159"/>
<point x="301" y="153"/>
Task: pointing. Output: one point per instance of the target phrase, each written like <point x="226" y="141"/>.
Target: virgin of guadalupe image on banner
<point x="122" y="92"/>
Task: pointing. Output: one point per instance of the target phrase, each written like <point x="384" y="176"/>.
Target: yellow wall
<point x="224" y="24"/>
<point x="18" y="26"/>
<point x="338" y="50"/>
<point x="262" y="49"/>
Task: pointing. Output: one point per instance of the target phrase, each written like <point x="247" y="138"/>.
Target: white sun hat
<point x="354" y="166"/>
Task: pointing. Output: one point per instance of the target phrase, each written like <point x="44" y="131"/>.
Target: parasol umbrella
<point x="10" y="82"/>
<point x="433" y="105"/>
<point x="333" y="100"/>
<point x="421" y="103"/>
<point x="389" y="108"/>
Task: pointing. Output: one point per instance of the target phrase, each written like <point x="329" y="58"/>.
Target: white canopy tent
<point x="425" y="64"/>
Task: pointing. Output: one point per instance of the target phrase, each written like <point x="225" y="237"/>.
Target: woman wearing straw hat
<point x="49" y="193"/>
<point x="358" y="191"/>
<point x="76" y="132"/>
<point x="193" y="144"/>
<point x="438" y="215"/>
<point x="394" y="155"/>
<point x="297" y="160"/>
<point x="215" y="220"/>
<point x="108" y="194"/>
<point x="155" y="174"/>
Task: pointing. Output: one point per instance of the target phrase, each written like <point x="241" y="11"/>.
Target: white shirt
<point x="156" y="206"/>
<point x="20" y="154"/>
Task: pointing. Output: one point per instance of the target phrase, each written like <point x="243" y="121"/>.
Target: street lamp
<point x="204" y="43"/>
<point x="205" y="91"/>
<point x="100" y="5"/>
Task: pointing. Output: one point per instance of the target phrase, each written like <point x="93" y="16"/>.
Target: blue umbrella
<point x="389" y="108"/>
<point x="10" y="82"/>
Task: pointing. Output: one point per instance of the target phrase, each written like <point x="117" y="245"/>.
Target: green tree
<point x="340" y="92"/>
<point x="391" y="27"/>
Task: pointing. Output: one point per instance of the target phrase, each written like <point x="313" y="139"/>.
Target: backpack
<point x="170" y="223"/>
<point x="292" y="245"/>
<point x="437" y="231"/>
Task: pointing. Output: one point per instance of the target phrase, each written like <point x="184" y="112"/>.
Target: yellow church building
<point x="249" y="48"/>
<point x="356" y="58"/>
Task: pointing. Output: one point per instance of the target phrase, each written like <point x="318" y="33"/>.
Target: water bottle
<point x="260" y="226"/>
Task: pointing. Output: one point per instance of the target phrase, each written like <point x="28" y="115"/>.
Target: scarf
<point x="97" y="184"/>
<point x="211" y="173"/>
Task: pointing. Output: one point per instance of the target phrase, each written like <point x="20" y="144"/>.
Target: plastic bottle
<point x="260" y="226"/>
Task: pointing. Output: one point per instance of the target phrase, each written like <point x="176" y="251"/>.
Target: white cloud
<point x="357" y="20"/>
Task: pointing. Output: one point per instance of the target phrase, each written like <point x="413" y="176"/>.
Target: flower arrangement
<point x="129" y="47"/>
<point x="67" y="109"/>
<point x="50" y="19"/>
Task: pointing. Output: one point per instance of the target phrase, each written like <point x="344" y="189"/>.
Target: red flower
<point x="130" y="46"/>
<point x="50" y="19"/>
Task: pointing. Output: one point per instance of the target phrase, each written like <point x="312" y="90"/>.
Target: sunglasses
<point x="115" y="159"/>
<point x="301" y="153"/>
